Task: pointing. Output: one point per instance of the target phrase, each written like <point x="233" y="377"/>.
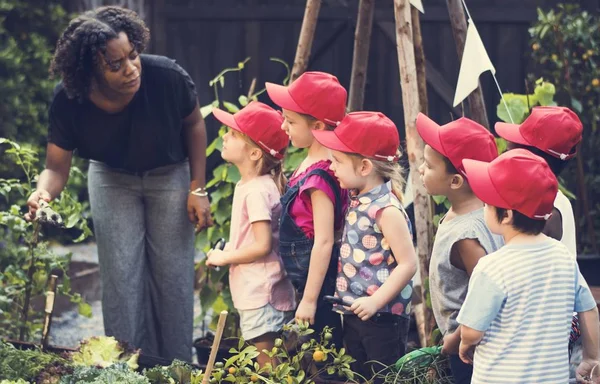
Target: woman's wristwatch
<point x="199" y="192"/>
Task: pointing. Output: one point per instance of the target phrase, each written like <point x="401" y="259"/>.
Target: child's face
<point x="434" y="175"/>
<point x="298" y="129"/>
<point x="344" y="169"/>
<point x="235" y="148"/>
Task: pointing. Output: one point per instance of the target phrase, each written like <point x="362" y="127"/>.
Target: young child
<point x="462" y="237"/>
<point x="517" y="314"/>
<point x="377" y="257"/>
<point x="314" y="203"/>
<point x="261" y="292"/>
<point x="553" y="134"/>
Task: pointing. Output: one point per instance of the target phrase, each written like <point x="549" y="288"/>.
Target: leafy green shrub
<point x="565" y="43"/>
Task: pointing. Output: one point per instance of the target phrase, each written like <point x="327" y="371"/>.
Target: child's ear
<point x="507" y="219"/>
<point x="457" y="181"/>
<point x="319" y="126"/>
<point x="365" y="168"/>
<point x="256" y="154"/>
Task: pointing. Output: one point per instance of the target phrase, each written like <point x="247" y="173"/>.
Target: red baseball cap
<point x="317" y="94"/>
<point x="517" y="180"/>
<point x="259" y="122"/>
<point x="458" y="140"/>
<point x="370" y="134"/>
<point x="554" y="130"/>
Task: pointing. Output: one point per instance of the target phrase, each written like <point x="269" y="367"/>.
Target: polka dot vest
<point x="366" y="259"/>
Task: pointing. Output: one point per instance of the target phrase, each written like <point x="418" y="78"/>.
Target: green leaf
<point x="243" y="100"/>
<point x="85" y="309"/>
<point x="233" y="174"/>
<point x="517" y="105"/>
<point x="576" y="105"/>
<point x="439" y="199"/>
<point x="222" y="81"/>
<point x="72" y="220"/>
<point x="501" y="144"/>
<point x="206" y="110"/>
<point x="544" y="93"/>
<point x="232" y="108"/>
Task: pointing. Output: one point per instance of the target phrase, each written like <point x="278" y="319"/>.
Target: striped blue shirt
<point x="523" y="297"/>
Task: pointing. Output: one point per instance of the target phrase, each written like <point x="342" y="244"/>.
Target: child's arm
<point x="323" y="218"/>
<point x="451" y="342"/>
<point x="588" y="322"/>
<point x="469" y="339"/>
<point x="260" y="247"/>
<point x="395" y="230"/>
<point x="465" y="254"/>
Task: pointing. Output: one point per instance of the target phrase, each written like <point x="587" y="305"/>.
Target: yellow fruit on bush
<point x="231" y="370"/>
<point x="595" y="82"/>
<point x="319" y="356"/>
<point x="554" y="57"/>
<point x="584" y="56"/>
<point x="590" y="52"/>
<point x="289" y="380"/>
<point x="254" y="378"/>
<point x="535" y="46"/>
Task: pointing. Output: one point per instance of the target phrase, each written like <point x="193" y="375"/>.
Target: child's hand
<point x="216" y="258"/>
<point x="466" y="351"/>
<point x="306" y="311"/>
<point x="364" y="307"/>
<point x="451" y="343"/>
<point x="584" y="371"/>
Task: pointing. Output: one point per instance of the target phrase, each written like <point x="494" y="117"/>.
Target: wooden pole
<point x="360" y="59"/>
<point x="48" y="310"/>
<point x="425" y="313"/>
<point x="215" y="347"/>
<point x="459" y="30"/>
<point x="307" y="34"/>
<point x="414" y="143"/>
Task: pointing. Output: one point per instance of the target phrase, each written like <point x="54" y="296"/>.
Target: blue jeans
<point x="146" y="255"/>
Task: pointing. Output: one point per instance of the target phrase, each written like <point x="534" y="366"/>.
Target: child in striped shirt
<point x="517" y="314"/>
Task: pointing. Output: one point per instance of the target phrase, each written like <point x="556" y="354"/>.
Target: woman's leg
<point x="170" y="249"/>
<point x="118" y="215"/>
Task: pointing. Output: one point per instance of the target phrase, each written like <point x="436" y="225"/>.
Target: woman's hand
<point x="34" y="202"/>
<point x="198" y="209"/>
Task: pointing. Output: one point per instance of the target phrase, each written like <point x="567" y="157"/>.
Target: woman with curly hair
<point x="136" y="118"/>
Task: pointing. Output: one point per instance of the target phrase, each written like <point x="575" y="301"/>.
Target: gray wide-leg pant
<point x="146" y="251"/>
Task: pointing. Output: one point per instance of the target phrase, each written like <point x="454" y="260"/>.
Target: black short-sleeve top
<point x="147" y="134"/>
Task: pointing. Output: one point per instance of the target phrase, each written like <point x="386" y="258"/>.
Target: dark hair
<point x="522" y="223"/>
<point x="556" y="165"/>
<point x="76" y="55"/>
<point x="450" y="168"/>
<point x="311" y="119"/>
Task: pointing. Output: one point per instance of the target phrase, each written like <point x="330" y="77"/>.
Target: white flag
<point x="418" y="4"/>
<point x="475" y="61"/>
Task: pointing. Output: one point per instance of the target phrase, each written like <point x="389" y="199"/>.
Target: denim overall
<point x="295" y="249"/>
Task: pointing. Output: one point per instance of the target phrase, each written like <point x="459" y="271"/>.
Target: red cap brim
<point x="330" y="140"/>
<point x="510" y="132"/>
<point x="281" y="96"/>
<point x="429" y="131"/>
<point x="226" y="118"/>
<point x="481" y="183"/>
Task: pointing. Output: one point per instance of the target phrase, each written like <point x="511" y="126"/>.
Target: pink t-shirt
<point x="301" y="208"/>
<point x="263" y="281"/>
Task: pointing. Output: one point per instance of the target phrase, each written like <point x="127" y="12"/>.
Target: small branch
<point x="29" y="285"/>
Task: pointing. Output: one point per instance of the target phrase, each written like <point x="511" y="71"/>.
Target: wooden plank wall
<point x="205" y="36"/>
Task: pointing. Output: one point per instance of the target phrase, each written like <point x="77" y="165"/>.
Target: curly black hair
<point x="76" y="55"/>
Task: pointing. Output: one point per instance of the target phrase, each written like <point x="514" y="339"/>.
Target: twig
<point x="215" y="347"/>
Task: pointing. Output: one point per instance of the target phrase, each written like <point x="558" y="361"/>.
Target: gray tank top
<point x="448" y="284"/>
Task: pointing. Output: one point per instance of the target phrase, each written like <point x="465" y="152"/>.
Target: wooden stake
<point x="414" y="143"/>
<point x="215" y="347"/>
<point x="307" y="34"/>
<point x="48" y="310"/>
<point x="426" y="314"/>
<point x="459" y="30"/>
<point x="360" y="59"/>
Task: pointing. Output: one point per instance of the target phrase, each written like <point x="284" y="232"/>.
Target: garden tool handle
<point x="335" y="300"/>
<point x="220" y="245"/>
<point x="215" y="347"/>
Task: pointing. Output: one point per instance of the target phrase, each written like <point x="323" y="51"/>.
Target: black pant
<point x="376" y="343"/>
<point x="461" y="372"/>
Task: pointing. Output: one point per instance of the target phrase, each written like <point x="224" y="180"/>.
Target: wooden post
<point x="425" y="314"/>
<point x="414" y="143"/>
<point x="307" y="34"/>
<point x="360" y="59"/>
<point x="459" y="30"/>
